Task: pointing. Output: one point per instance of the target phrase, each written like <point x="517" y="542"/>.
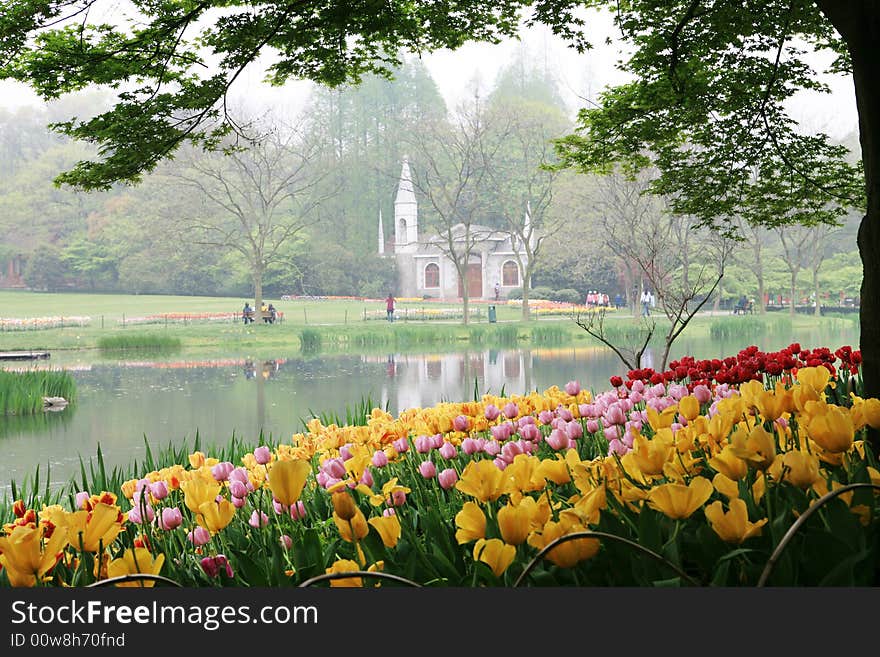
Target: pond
<point x="167" y="399"/>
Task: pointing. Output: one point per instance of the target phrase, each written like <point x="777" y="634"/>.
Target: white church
<point x="424" y="269"/>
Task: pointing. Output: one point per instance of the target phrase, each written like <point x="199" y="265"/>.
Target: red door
<point x="475" y="281"/>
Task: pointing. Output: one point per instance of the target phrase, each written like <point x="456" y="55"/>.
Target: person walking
<point x="247" y="313"/>
<point x="646" y="303"/>
<point x="389" y="307"/>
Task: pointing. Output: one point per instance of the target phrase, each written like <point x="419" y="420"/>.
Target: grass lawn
<point x="340" y="323"/>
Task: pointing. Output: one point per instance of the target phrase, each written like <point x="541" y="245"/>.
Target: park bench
<point x="265" y="315"/>
<point x="746" y="308"/>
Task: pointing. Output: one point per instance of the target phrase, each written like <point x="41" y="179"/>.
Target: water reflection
<point x="169" y="400"/>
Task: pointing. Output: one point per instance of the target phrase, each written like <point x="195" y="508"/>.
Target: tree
<point x="454" y="180"/>
<point x="264" y="193"/>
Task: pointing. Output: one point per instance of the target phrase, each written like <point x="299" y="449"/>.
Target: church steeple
<point x="381" y="235"/>
<point x="406" y="222"/>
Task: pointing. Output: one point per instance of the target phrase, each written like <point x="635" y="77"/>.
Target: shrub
<point x="568" y="295"/>
<point x="541" y="292"/>
<point x="516" y="293"/>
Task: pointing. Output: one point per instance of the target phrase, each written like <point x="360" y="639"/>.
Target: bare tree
<point x="797" y="243"/>
<point x="258" y="195"/>
<point x="454" y="179"/>
<point x="629" y="346"/>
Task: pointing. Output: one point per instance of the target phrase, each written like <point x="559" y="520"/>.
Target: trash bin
<point x="491" y="314"/>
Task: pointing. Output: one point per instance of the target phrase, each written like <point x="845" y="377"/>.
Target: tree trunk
<point x="858" y="22"/>
<point x="793" y="292"/>
<point x="817" y="311"/>
<point x="527" y="283"/>
<point x="759" y="275"/>
<point x="258" y="293"/>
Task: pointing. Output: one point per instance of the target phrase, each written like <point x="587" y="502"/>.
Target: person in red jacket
<point x="389" y="307"/>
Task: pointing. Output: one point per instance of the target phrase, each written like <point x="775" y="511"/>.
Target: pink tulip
<point x="510" y="410"/>
<point x="286" y="541"/>
<point x="530" y="432"/>
<point x="298" y="510"/>
<point x="423" y="444"/>
<point x="322" y="478"/>
<point x="500" y="463"/>
<point x="469" y="446"/>
<point x="615" y="415"/>
<point x="170" y="518"/>
<point x="199" y="536"/>
<point x="334" y="468"/>
<point x="447" y="478"/>
<point x="388" y="512"/>
<point x="380" y="459"/>
<point x="427" y="469"/>
<point x="448" y="451"/>
<point x="545" y="417"/>
<point x="492" y="447"/>
<point x="592" y="426"/>
<point x="221" y="471"/>
<point x="237" y="488"/>
<point x="617" y="447"/>
<point x="557" y="440"/>
<point x="612" y="433"/>
<point x="401" y="445"/>
<point x="238" y="502"/>
<point x="213" y="566"/>
<point x="585" y="410"/>
<point x="635" y="397"/>
<point x="638" y="386"/>
<point x="437" y="440"/>
<point x="345" y="452"/>
<point x="81" y="499"/>
<point x="564" y="414"/>
<point x="135" y="516"/>
<point x="262" y="455"/>
<point x="397" y="498"/>
<point x="461" y="423"/>
<point x="491" y="412"/>
<point x="677" y="391"/>
<point x="159" y="490"/>
<point x="258" y="519"/>
<point x="702" y="393"/>
<point x="510" y="451"/>
<point x="573" y="388"/>
<point x="574" y="430"/>
<point x="367" y="478"/>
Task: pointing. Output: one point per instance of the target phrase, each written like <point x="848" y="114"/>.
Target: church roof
<point x="405" y="192"/>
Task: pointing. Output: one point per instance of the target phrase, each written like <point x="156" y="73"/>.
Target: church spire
<point x="381" y="235"/>
<point x="406" y="222"/>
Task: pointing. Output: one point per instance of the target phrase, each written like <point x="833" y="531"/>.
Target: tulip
<point x="262" y="455"/>
<point x="491" y="412"/>
<point x="833" y="429"/>
<point x="592" y="426"/>
<point x="197" y="491"/>
<point x="401" y="445"/>
<point x="611" y="433"/>
<point x="238" y="502"/>
<point x="557" y="440"/>
<point x="89" y="530"/>
<point x="80" y="499"/>
<point x="159" y="490"/>
<point x="215" y="516"/>
<point x="469" y="446"/>
<point x="530" y="432"/>
<point x="447" y="478"/>
<point x="286" y="541"/>
<point x="237" y="489"/>
<point x="461" y="423"/>
<point x="258" y="519"/>
<point x="170" y="518"/>
<point x="388" y="528"/>
<point x="545" y="417"/>
<point x="679" y="501"/>
<point x="137" y="516"/>
<point x="334" y="468"/>
<point x="574" y="430"/>
<point x="495" y="553"/>
<point x="799" y="468"/>
<point x="510" y="410"/>
<point x="423" y="444"/>
<point x="380" y="459"/>
<point x="345" y="452"/>
<point x="136" y="561"/>
<point x="733" y="526"/>
<point x="352" y="529"/>
<point x="427" y="469"/>
<point x="573" y="388"/>
<point x="344" y="566"/>
<point x="26" y="557"/>
<point x="492" y="447"/>
<point x="567" y="553"/>
<point x="199" y="536"/>
<point x="397" y="498"/>
<point x="213" y="566"/>
<point x="482" y="480"/>
<point x="470" y="523"/>
<point x="221" y="471"/>
<point x="515" y="522"/>
<point x="689" y="407"/>
<point x="287" y="479"/>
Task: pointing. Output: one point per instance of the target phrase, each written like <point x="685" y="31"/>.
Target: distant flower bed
<point x="419" y="314"/>
<point x="186" y="318"/>
<point x="41" y="323"/>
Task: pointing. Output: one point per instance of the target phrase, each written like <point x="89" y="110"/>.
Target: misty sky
<point x="580" y="77"/>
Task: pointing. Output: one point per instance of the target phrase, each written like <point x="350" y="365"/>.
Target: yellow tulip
<point x="215" y="516"/>
<point x="344" y="506"/>
<point x="772" y="404"/>
<point x="495" y="553"/>
<point x="729" y="464"/>
<point x="353" y="529"/>
<point x="567" y="553"/>
<point x="137" y="561"/>
<point x="388" y="528"/>
<point x="756" y="446"/>
<point x="651" y="455"/>
<point x="197" y="491"/>
<point x="482" y="480"/>
<point x="749" y="391"/>
<point x="833" y="429"/>
<point x="345" y="566"/>
<point x="89" y="530"/>
<point x="471" y="523"/>
<point x="26" y="557"/>
<point x="287" y="479"/>
<point x="556" y="470"/>
<point x="515" y="522"/>
<point x="524" y="475"/>
<point x="689" y="406"/>
<point x="871" y="412"/>
<point x="815" y="377"/>
<point x="799" y="468"/>
<point x="733" y="526"/>
<point x="679" y="501"/>
<point x="662" y="420"/>
<point x="725" y="485"/>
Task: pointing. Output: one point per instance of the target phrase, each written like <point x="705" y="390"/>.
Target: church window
<point x="432" y="275"/>
<point x="510" y="273"/>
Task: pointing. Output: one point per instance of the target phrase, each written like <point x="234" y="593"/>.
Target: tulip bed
<point x="744" y="471"/>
